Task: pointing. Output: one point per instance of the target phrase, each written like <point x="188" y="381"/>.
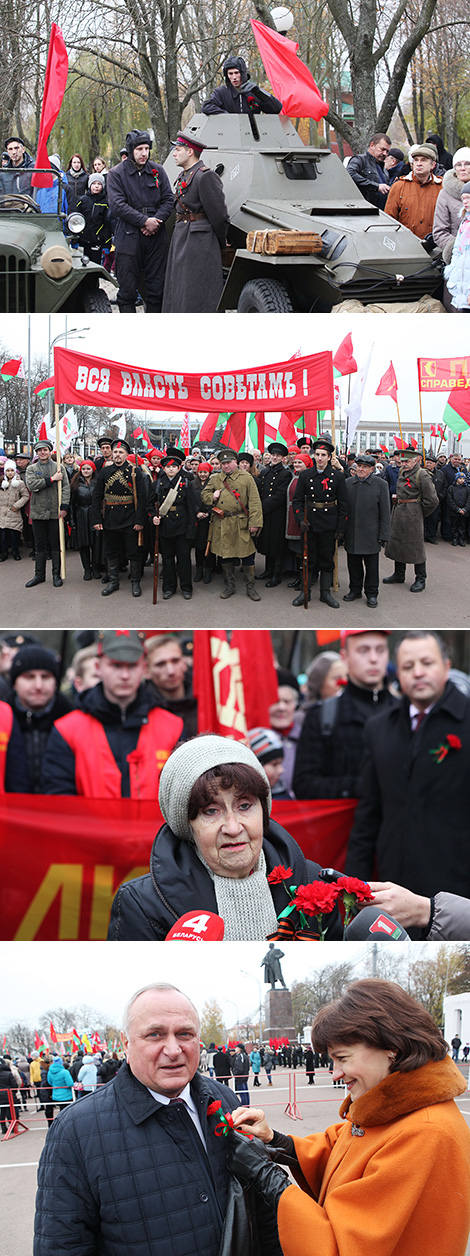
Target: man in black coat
<point x="240" y="94"/>
<point x="173" y="509"/>
<point x="367" y="529"/>
<point x="368" y="172"/>
<point x="273" y="488"/>
<point x="37" y="702"/>
<point x="128" y="1170"/>
<point x="118" y="509"/>
<point x="438" y="478"/>
<point x="140" y="200"/>
<point x="320" y="507"/>
<point x="330" y="750"/>
<point x="411" y="822"/>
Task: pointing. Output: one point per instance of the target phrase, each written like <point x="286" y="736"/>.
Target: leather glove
<point x="248" y="86"/>
<point x="252" y="1163"/>
<point x="304" y="525"/>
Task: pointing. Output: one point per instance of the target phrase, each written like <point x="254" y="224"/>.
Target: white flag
<point x="119" y="423"/>
<point x="354" y="406"/>
<point x="68" y="429"/>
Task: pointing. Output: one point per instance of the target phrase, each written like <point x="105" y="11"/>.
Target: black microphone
<point x="375" y="924"/>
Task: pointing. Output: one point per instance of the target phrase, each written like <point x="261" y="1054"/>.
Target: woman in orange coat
<point x="393" y="1178"/>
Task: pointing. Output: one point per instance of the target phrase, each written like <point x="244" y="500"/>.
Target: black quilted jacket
<point x="123" y="1175"/>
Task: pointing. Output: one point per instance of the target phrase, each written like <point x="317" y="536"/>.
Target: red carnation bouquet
<point x="453" y="743"/>
<point x="315" y="900"/>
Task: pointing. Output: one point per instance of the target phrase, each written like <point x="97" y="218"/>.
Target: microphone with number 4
<point x="197" y="926"/>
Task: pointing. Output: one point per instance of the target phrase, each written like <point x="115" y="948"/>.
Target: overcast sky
<point x="37" y="976"/>
<point x="228" y="342"/>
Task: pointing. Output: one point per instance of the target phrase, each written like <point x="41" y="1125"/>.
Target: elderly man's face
<point x="162" y="1046"/>
<point x="364" y="470"/>
<point x="422" y="167"/>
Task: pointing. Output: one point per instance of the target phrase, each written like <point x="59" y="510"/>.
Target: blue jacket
<point x="124" y="1175"/>
<point x="61" y="1081"/>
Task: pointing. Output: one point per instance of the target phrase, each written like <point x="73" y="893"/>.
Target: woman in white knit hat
<point x="215" y="851"/>
<point x="13" y="495"/>
<point x="448" y="211"/>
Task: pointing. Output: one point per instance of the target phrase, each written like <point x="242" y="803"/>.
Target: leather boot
<point x="198" y="574"/>
<point x="86" y="565"/>
<point x="113" y="578"/>
<point x="249" y="577"/>
<point x="230" y="586"/>
<point x="56" y="576"/>
<point x="135" y="575"/>
<point x="299" y="601"/>
<point x="276" y="576"/>
<point x="207" y="575"/>
<point x="420" y="578"/>
<point x="39" y="570"/>
<point x="326" y="595"/>
<point x="267" y="574"/>
<point x="398" y="575"/>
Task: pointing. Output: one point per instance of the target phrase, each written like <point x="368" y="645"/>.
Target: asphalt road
<point x="445" y="603"/>
<point x="317" y="1105"/>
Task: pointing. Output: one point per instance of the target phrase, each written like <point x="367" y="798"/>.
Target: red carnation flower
<point x="214" y="1107"/>
<point x="316" y="898"/>
<point x="352" y="885"/>
<point x="279" y="874"/>
<point x="454" y="741"/>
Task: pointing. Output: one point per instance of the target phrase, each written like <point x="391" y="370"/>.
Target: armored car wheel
<point x="96" y="301"/>
<point x="264" y="296"/>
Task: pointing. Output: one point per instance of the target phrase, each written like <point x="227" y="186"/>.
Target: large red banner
<point x="292" y="385"/>
<point x="443" y="374"/>
<point x="63" y="858"/>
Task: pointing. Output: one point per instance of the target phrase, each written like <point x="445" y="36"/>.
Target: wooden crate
<point x="274" y="241"/>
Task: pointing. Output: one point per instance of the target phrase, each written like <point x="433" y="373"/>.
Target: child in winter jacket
<point x="97" y="233"/>
<point x="13" y="495"/>
<point x="457" y="274"/>
<point x="458" y="502"/>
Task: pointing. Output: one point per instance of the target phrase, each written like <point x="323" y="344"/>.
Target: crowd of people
<point x="293" y="505"/>
<point x="125" y="209"/>
<point x="393" y="736"/>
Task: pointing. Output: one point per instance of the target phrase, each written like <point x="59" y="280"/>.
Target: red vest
<point x="96" y="772"/>
<point x="6" y="725"/>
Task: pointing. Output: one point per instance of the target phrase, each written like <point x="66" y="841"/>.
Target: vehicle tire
<point x="96" y="301"/>
<point x="264" y="296"/>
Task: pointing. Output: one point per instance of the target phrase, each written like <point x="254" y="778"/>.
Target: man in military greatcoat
<point x="43" y="479"/>
<point x="367" y="529"/>
<point x="140" y="201"/>
<point x="320" y="507"/>
<point x="194" y="278"/>
<point x="236" y="519"/>
<point x="174" y="510"/>
<point x="273" y="492"/>
<point x="415" y="498"/>
<point x="118" y="509"/>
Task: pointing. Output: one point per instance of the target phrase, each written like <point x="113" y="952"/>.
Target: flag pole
<point x="422" y="427"/>
<point x="443" y="437"/>
<point x="59" y="492"/>
<point x="399" y="421"/>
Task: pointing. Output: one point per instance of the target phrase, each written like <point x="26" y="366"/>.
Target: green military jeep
<point x="40" y="272"/>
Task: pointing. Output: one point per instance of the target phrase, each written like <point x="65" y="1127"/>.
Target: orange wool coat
<point x="392" y="1180"/>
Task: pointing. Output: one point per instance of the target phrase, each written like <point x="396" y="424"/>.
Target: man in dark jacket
<point x="273" y="492"/>
<point x="222" y="1066"/>
<point x="140" y="200"/>
<point x="458" y="505"/>
<point x="320" y="507"/>
<point x="16" y="175"/>
<point x="438" y="478"/>
<point x="240" y="94"/>
<point x="171" y="682"/>
<point x="368" y="172"/>
<point x="330" y="752"/>
<point x="128" y="1170"/>
<point x="411" y="821"/>
<point x="115" y="745"/>
<point x="240" y="1070"/>
<point x="119" y="508"/>
<point x="367" y="529"/>
<point x="36" y="702"/>
<point x="173" y="509"/>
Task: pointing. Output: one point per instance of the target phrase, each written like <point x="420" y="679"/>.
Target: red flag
<point x="234" y="432"/>
<point x="209" y="425"/>
<point x="388" y="385"/>
<point x="343" y="360"/>
<point x="290" y="79"/>
<point x="260" y="420"/>
<point x="137" y="432"/>
<point x="413" y="442"/>
<point x="13" y="368"/>
<point x="287" y="430"/>
<point x="54" y="88"/>
<point x="399" y="443"/>
<point x="43" y="431"/>
<point x="228" y="701"/>
<point x="52" y="1033"/>
<point x="384" y="448"/>
<point x="256" y="659"/>
<point x="46" y="385"/>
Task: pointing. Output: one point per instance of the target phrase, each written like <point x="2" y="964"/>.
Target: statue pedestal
<point x="278" y="1015"/>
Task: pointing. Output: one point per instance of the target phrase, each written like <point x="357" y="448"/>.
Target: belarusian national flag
<point x="184" y="435"/>
<point x="211" y="422"/>
<point x="233" y="434"/>
<point x="13" y="369"/>
<point x="457" y="410"/>
<point x="45" y="387"/>
<point x="388" y="386"/>
<point x="344" y="362"/>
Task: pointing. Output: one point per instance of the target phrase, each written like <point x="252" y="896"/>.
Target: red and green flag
<point x="457" y="410"/>
<point x="211" y="424"/>
<point x="45" y="387"/>
<point x="183" y="439"/>
<point x="344" y="362"/>
<point x="13" y="369"/>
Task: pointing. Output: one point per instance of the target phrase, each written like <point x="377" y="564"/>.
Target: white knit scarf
<point x="245" y="904"/>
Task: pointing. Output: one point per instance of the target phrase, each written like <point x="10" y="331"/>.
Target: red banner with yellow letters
<point x="63" y="858"/>
<point x="443" y="374"/>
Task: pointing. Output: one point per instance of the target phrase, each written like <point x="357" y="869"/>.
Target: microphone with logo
<point x="373" y="923"/>
<point x="197" y="926"/>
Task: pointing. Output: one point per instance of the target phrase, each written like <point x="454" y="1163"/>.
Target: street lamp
<point x="283" y="20"/>
<point x="236" y="1009"/>
<point x="242" y="970"/>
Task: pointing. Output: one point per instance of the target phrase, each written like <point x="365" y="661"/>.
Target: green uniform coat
<point x="416" y="499"/>
<point x="231" y="536"/>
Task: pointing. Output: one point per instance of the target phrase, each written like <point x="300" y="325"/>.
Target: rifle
<point x="305" y="561"/>
<point x="155" y="563"/>
<point x="140" y="535"/>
